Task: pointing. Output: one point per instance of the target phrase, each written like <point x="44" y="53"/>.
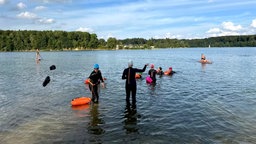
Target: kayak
<point x="80" y="101"/>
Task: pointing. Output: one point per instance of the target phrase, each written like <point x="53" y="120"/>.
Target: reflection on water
<point x="211" y="103"/>
<point x="94" y="126"/>
<point x="130" y="121"/>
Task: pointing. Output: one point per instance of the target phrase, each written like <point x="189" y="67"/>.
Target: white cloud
<point x="3" y="2"/>
<point x="214" y="30"/>
<point x="253" y="24"/>
<point x="84" y="29"/>
<point x="227" y="29"/>
<point x="230" y="26"/>
<point x="27" y="15"/>
<point x="38" y="8"/>
<point x="46" y="21"/>
<point x="57" y="1"/>
<point x="21" y="5"/>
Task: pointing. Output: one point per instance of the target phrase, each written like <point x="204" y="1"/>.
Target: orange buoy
<point x="80" y="101"/>
<point x="87" y="81"/>
<point x="166" y="73"/>
<point x="137" y="76"/>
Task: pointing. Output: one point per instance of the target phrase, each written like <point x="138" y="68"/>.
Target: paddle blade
<point x="46" y="81"/>
<point x="53" y="67"/>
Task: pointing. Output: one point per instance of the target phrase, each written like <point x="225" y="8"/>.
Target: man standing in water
<point x="130" y="84"/>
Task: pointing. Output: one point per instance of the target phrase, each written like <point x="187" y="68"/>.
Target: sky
<point x="121" y="19"/>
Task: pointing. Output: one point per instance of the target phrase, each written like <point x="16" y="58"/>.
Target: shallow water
<point x="212" y="103"/>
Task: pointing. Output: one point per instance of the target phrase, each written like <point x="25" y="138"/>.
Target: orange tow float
<point x="80" y="101"/>
<point x="137" y="76"/>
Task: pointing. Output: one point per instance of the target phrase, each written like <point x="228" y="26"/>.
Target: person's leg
<point x="134" y="89"/>
<point x="92" y="91"/>
<point x="96" y="94"/>
<point x="128" y="90"/>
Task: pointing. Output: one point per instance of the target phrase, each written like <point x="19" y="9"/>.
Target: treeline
<point x="24" y="40"/>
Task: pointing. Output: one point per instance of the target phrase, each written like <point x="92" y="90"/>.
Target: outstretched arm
<point x="142" y="70"/>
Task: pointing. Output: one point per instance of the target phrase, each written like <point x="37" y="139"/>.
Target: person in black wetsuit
<point x="130" y="84"/>
<point x="94" y="81"/>
<point x="159" y="71"/>
<point x="152" y="73"/>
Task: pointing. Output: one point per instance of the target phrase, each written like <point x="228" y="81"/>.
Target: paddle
<point x="46" y="81"/>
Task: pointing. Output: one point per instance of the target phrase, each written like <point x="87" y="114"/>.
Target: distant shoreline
<point x="105" y="49"/>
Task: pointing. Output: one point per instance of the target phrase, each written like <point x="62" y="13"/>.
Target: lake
<point x="200" y="103"/>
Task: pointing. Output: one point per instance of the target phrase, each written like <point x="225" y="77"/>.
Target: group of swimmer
<point x="95" y="79"/>
<point x="129" y="74"/>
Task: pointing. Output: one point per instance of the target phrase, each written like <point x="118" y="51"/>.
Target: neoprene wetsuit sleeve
<point x="101" y="77"/>
<point x="124" y="76"/>
<point x="142" y="70"/>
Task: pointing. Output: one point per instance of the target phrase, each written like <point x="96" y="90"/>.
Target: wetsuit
<point x="130" y="85"/>
<point x="160" y="73"/>
<point x="95" y="78"/>
<point x="152" y="73"/>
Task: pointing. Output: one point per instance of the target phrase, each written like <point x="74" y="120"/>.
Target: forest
<point x="29" y="40"/>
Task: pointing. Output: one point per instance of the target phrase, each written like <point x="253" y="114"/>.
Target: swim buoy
<point x="87" y="81"/>
<point x="148" y="79"/>
<point x="80" y="101"/>
<point x="166" y="73"/>
<point x="137" y="76"/>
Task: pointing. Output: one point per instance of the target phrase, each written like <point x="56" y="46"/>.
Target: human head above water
<point x="96" y="66"/>
<point x="152" y="66"/>
<point x="130" y="63"/>
<point x="170" y="68"/>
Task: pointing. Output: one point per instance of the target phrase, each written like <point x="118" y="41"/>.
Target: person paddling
<point x="94" y="81"/>
<point x="130" y="84"/>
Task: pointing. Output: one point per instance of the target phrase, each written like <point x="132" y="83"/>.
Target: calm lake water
<point x="212" y="103"/>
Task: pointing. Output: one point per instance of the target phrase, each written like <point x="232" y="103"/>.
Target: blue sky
<point x="122" y="19"/>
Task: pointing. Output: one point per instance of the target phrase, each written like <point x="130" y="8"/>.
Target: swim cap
<point x="96" y="66"/>
<point x="130" y="63"/>
<point x="152" y="66"/>
<point x="170" y="68"/>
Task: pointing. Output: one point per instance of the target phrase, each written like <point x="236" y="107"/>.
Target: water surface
<point x="213" y="103"/>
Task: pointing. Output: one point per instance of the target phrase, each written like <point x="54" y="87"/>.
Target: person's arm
<point x="142" y="70"/>
<point x="124" y="76"/>
<point x="101" y="78"/>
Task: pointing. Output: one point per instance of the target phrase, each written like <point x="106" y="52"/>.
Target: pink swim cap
<point x="170" y="68"/>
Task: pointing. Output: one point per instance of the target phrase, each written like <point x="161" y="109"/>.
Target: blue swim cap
<point x="96" y="66"/>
